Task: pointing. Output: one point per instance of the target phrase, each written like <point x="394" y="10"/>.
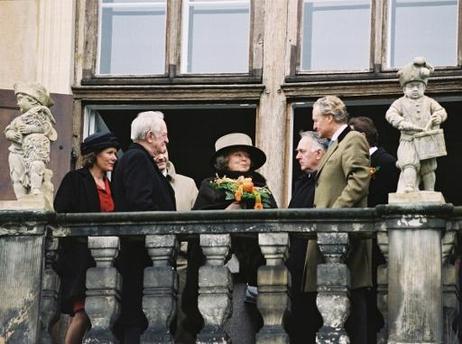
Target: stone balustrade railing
<point x="416" y="287"/>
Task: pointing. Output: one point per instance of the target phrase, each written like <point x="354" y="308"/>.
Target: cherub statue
<point x="418" y="117"/>
<point x="30" y="134"/>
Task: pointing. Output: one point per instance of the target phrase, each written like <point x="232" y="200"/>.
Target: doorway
<point x="449" y="167"/>
<point x="193" y="130"/>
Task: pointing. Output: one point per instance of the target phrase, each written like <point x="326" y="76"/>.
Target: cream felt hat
<point x="242" y="141"/>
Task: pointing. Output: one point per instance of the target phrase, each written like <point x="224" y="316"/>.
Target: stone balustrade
<point x="416" y="285"/>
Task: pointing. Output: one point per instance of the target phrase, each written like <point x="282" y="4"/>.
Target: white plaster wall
<point x="37" y="43"/>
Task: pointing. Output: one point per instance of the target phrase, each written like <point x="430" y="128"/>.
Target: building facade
<point x="214" y="67"/>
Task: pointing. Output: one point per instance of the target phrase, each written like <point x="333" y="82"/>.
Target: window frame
<point x="386" y="21"/>
<point x="300" y="45"/>
<point x="378" y="69"/>
<point x="90" y="31"/>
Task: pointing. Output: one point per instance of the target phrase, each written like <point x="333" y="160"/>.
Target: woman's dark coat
<point x="247" y="251"/>
<point x="210" y="198"/>
<point x="76" y="194"/>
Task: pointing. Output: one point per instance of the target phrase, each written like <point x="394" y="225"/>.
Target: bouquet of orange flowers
<point x="243" y="190"/>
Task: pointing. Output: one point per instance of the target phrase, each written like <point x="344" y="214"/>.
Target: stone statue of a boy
<point x="30" y="134"/>
<point x="418" y="118"/>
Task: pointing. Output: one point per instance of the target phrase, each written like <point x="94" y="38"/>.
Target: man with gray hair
<point x="305" y="318"/>
<point x="342" y="181"/>
<point x="310" y="150"/>
<point x="138" y="185"/>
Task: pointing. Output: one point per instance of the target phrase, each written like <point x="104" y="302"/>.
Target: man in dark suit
<point x="138" y="185"/>
<point x="384" y="180"/>
<point x="384" y="173"/>
<point x="305" y="317"/>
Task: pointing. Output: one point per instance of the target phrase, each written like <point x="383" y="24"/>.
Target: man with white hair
<point x="134" y="187"/>
<point x="138" y="185"/>
<point x="305" y="318"/>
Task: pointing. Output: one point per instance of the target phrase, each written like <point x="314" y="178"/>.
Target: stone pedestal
<point x="215" y="289"/>
<point x="22" y="237"/>
<point x="333" y="283"/>
<point x="103" y="283"/>
<point x="49" y="308"/>
<point x="28" y="202"/>
<point x="273" y="280"/>
<point x="382" y="287"/>
<point x="415" y="310"/>
<point x="160" y="286"/>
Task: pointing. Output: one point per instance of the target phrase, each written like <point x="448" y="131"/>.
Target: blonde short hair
<point x="333" y="105"/>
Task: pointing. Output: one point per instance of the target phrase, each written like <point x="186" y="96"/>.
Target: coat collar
<point x="332" y="148"/>
<point x="89" y="185"/>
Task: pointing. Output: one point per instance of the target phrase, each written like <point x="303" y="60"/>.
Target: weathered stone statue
<point x="418" y="118"/>
<point x="31" y="134"/>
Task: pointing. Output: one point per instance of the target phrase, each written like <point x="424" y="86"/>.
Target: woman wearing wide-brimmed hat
<point x="235" y="157"/>
<point x="83" y="190"/>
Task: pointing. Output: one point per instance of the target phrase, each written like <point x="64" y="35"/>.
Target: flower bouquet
<point x="243" y="190"/>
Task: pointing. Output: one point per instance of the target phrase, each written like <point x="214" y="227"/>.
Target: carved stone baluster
<point x="215" y="288"/>
<point x="449" y="276"/>
<point x="49" y="312"/>
<point x="160" y="286"/>
<point x="382" y="287"/>
<point x="103" y="283"/>
<point x="273" y="280"/>
<point x="333" y="279"/>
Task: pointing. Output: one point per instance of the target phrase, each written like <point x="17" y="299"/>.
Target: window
<point x="160" y="38"/>
<point x="346" y="36"/>
<point x="336" y="35"/>
<point x="422" y="28"/>
<point x="215" y="36"/>
<point x="132" y="36"/>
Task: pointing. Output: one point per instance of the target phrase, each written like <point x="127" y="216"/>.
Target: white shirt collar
<point x="338" y="132"/>
<point x="372" y="150"/>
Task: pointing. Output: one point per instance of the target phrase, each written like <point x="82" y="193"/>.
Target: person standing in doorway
<point x="342" y="181"/>
<point x="305" y="317"/>
<point x="139" y="185"/>
<point x="85" y="190"/>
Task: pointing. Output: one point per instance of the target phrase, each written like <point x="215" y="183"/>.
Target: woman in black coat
<point x="82" y="191"/>
<point x="235" y="156"/>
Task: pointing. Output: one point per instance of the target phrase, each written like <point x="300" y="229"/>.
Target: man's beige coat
<point x="184" y="187"/>
<point x="343" y="182"/>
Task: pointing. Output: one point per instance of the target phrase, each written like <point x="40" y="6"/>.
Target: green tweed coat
<point x="343" y="182"/>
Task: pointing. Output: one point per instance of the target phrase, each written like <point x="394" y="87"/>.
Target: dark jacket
<point x="210" y="198"/>
<point x="385" y="178"/>
<point x="138" y="185"/>
<point x="76" y="194"/>
<point x="246" y="248"/>
<point x="303" y="195"/>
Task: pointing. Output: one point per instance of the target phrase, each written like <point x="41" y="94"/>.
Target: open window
<point x="193" y="130"/>
<point x="449" y="167"/>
